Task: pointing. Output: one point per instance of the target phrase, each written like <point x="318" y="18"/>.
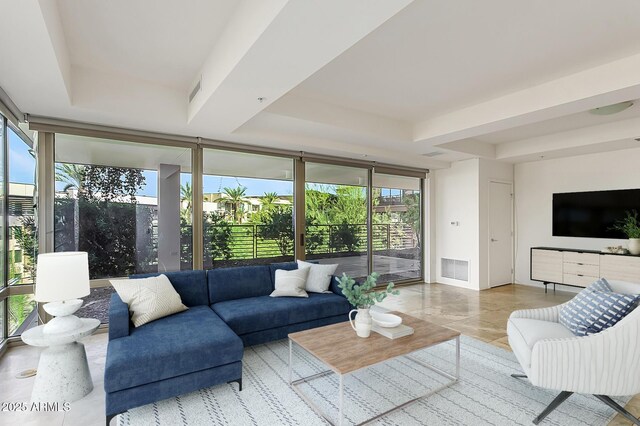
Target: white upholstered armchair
<point x="604" y="364"/>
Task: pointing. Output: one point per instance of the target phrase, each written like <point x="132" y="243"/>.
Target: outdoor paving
<point x="356" y="266"/>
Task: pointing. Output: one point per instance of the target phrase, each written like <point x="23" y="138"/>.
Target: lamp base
<point x="64" y="320"/>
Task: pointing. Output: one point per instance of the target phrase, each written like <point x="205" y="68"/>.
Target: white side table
<point x="63" y="371"/>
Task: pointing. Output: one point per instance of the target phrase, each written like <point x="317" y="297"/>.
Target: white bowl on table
<point x="386" y="320"/>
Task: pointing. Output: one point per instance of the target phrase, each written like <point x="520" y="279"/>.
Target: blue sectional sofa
<point x="229" y="308"/>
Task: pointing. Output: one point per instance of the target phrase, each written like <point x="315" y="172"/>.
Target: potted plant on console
<point x="631" y="228"/>
<point x="363" y="296"/>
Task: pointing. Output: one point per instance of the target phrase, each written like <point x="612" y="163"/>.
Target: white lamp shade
<point x="62" y="276"/>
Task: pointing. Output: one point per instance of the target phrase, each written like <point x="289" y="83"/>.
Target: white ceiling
<point x="387" y="81"/>
<point x="435" y="57"/>
<point x="159" y="41"/>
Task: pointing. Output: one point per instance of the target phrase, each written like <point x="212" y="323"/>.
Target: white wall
<point x="462" y="195"/>
<point x="456" y="200"/>
<point x="535" y="183"/>
<point x="429" y="254"/>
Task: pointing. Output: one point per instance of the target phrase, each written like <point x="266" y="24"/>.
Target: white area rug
<point x="485" y="394"/>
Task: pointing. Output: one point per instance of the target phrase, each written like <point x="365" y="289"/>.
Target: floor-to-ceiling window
<point x="3" y="249"/>
<point x="18" y="233"/>
<point x="337" y="217"/>
<point x="127" y="204"/>
<point x="247" y="208"/>
<point x="22" y="241"/>
<point x="130" y="205"/>
<point x="397" y="227"/>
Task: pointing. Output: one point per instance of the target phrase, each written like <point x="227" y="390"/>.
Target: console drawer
<point x="582" y="258"/>
<point x="582" y="269"/>
<point x="578" y="280"/>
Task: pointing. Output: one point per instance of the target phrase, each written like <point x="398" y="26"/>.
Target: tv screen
<point x="592" y="214"/>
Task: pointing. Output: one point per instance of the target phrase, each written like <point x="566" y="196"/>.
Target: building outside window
<point x="128" y="205"/>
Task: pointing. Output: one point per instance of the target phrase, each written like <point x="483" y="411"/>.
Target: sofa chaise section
<point x="171" y="356"/>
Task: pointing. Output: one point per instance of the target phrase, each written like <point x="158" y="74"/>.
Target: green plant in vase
<point x="630" y="226"/>
<point x="363" y="296"/>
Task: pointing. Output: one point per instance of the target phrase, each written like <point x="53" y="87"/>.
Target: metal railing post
<point x="255" y="241"/>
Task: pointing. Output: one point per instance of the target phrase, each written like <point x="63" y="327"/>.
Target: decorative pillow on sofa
<point x="596" y="308"/>
<point x="319" y="278"/>
<point x="290" y="283"/>
<point x="149" y="298"/>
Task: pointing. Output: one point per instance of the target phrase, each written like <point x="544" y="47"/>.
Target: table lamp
<point x="61" y="279"/>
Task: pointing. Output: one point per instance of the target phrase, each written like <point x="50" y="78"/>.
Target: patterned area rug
<point x="485" y="394"/>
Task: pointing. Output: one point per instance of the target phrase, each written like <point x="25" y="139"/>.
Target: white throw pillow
<point x="290" y="283"/>
<point x="319" y="278"/>
<point x="149" y="299"/>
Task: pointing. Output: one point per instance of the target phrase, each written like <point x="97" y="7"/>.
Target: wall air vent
<point x="433" y="154"/>
<point x="195" y="90"/>
<point x="455" y="269"/>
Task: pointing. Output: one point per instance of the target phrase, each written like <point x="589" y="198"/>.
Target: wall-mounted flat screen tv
<point x="592" y="214"/>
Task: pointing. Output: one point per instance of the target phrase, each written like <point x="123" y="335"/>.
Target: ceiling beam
<point x="291" y="133"/>
<point x="257" y="56"/>
<point x="618" y="134"/>
<point x="471" y="146"/>
<point x="603" y="85"/>
<point x="374" y="126"/>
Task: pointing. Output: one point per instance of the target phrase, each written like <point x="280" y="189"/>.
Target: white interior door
<point x="500" y="234"/>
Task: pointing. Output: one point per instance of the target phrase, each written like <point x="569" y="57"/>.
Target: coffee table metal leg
<point x="294" y="385"/>
<point x="340" y="408"/>
<point x="290" y="358"/>
<point x="458" y="358"/>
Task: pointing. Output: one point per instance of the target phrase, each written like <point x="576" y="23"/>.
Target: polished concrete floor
<point x="482" y="315"/>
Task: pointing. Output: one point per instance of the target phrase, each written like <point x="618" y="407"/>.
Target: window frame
<point x="46" y="183"/>
<point x="6" y="290"/>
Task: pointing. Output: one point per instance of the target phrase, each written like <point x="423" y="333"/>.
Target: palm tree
<point x="235" y="196"/>
<point x="268" y="200"/>
<point x="186" y="194"/>
<point x="70" y="174"/>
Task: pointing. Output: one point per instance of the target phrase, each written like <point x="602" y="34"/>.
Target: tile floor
<point x="482" y="315"/>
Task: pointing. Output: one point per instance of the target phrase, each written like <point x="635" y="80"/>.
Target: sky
<point x="22" y="170"/>
<point x="22" y="165"/>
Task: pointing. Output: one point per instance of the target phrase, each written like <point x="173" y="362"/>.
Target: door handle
<point x="493" y="240"/>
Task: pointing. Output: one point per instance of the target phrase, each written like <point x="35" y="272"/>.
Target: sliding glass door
<point x="131" y="206"/>
<point x="397" y="227"/>
<point x="247" y="209"/>
<point x="336" y="216"/>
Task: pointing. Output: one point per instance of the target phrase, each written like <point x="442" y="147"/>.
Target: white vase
<point x="634" y="246"/>
<point x="363" y="322"/>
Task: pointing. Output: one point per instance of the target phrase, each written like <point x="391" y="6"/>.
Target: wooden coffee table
<point x="338" y="347"/>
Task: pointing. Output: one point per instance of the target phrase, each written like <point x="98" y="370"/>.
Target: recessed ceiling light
<point x="612" y="109"/>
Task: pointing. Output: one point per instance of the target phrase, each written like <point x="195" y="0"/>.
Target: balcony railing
<point x="331" y="239"/>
